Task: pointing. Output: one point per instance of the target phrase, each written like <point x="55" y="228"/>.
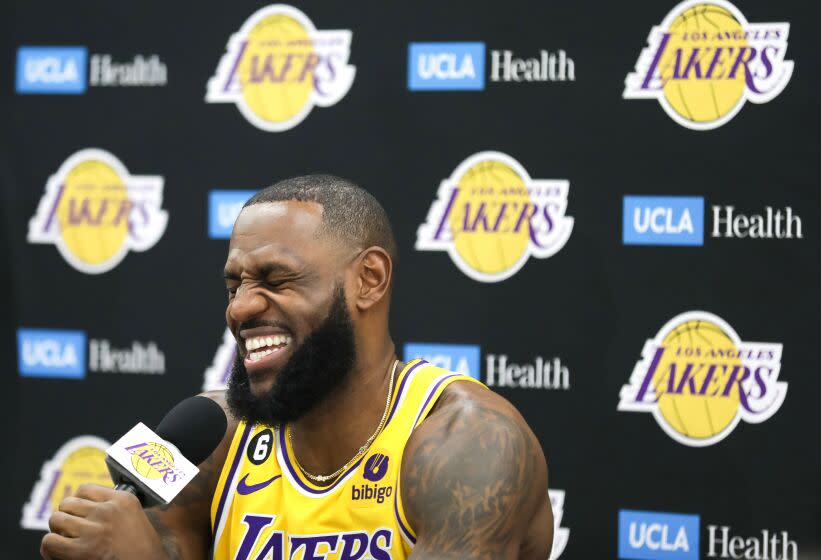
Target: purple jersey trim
<point x="295" y="476"/>
<point x="227" y="488"/>
<point x="405" y="531"/>
<point x="430" y="396"/>
<point x="289" y="464"/>
<point x="402" y="388"/>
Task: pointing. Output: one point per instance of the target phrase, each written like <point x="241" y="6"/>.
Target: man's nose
<point x="248" y="303"/>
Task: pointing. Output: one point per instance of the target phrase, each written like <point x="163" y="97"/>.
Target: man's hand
<point x="100" y="523"/>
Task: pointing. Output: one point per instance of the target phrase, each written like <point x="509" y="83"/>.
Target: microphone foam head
<point x="196" y="426"/>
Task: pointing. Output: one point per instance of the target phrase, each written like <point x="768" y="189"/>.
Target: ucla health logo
<point x="81" y="460"/>
<point x="541" y="373"/>
<point x="278" y="67"/>
<point x="663" y="220"/>
<point x="95" y="211"/>
<point x="446" y="66"/>
<point x="649" y="535"/>
<point x="705" y="60"/>
<point x="51" y="353"/>
<point x="491" y="217"/>
<point x="680" y="220"/>
<point x="699" y="380"/>
<point x="223" y="209"/>
<point x="461" y="358"/>
<point x="51" y="70"/>
<point x="62" y="353"/>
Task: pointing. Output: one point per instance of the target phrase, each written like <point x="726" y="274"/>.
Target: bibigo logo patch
<point x="81" y="460"/>
<point x="278" y="66"/>
<point x="95" y="211"/>
<point x="699" y="380"/>
<point x="370" y="485"/>
<point x="705" y="60"/>
<point x="491" y="217"/>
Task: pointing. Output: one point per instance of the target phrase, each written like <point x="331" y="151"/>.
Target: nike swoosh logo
<point x="245" y="489"/>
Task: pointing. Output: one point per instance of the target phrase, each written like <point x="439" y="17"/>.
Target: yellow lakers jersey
<point x="265" y="508"/>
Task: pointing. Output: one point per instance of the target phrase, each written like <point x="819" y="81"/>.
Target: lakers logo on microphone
<point x="95" y="211"/>
<point x="278" y="67"/>
<point x="491" y="217"/>
<point x="154" y="461"/>
<point x="81" y="460"/>
<point x="699" y="380"/>
<point x="705" y="60"/>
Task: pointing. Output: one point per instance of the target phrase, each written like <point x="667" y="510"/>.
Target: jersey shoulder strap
<point x="419" y="388"/>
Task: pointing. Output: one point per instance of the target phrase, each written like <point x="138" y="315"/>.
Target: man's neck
<point x="331" y="434"/>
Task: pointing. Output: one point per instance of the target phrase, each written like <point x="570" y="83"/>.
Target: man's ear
<point x="374" y="269"/>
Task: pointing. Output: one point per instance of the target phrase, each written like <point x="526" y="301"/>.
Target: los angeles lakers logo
<point x="278" y="67"/>
<point x="154" y="461"/>
<point x="491" y="217"/>
<point x="560" y="534"/>
<point x="95" y="211"/>
<point x="705" y="60"/>
<point x="80" y="460"/>
<point x="217" y="374"/>
<point x="699" y="380"/>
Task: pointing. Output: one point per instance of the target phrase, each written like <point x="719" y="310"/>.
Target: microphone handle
<point x="126" y="486"/>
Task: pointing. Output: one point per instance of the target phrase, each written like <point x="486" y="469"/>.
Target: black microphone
<point x="195" y="427"/>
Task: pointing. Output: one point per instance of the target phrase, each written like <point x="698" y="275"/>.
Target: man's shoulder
<point x="468" y="397"/>
<point x="474" y="459"/>
<point x="466" y="408"/>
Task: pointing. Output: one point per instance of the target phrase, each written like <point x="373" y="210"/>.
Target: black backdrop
<point x="593" y="304"/>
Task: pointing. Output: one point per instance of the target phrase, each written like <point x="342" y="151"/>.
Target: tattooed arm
<point x="105" y="524"/>
<point x="184" y="525"/>
<point x="474" y="481"/>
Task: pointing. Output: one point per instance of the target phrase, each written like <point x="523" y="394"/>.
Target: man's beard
<point x="316" y="368"/>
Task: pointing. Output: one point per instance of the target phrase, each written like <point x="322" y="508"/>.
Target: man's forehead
<point x="280" y="230"/>
<point x="292" y="215"/>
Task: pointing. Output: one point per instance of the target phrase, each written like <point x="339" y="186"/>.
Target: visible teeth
<point x="254" y="356"/>
<point x="268" y="342"/>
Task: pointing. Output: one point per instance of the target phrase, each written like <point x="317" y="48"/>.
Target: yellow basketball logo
<point x="278" y="67"/>
<point x="79" y="461"/>
<point x="490" y="216"/>
<point x="152" y="460"/>
<point x="94" y="211"/>
<point x="699" y="380"/>
<point x="705" y="60"/>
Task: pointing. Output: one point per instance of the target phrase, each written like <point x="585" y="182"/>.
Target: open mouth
<point x="257" y="348"/>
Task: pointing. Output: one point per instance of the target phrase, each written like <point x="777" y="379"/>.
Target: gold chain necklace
<point x="362" y="450"/>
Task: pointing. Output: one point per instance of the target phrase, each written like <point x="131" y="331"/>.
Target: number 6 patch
<point x="259" y="448"/>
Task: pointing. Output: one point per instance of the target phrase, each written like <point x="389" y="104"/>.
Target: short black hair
<point x="349" y="212"/>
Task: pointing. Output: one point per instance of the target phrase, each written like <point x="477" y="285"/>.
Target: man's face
<point x="287" y="311"/>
